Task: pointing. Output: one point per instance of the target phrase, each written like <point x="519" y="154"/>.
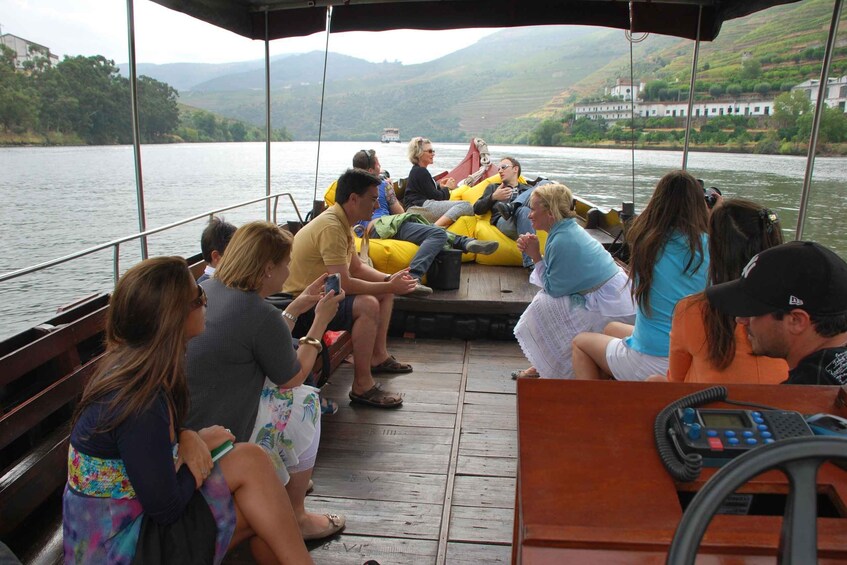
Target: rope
<point x="323" y="94"/>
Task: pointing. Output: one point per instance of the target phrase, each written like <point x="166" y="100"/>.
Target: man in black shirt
<point x="793" y="301"/>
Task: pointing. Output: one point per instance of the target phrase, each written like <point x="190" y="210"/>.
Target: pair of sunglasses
<point x="201" y="300"/>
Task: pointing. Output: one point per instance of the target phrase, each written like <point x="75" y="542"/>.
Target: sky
<point x="98" y="27"/>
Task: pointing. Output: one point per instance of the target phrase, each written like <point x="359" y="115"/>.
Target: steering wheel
<point x="799" y="458"/>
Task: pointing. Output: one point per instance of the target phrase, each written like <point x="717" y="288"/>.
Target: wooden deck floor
<point x="431" y="482"/>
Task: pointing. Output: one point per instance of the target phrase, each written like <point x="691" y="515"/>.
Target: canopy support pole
<point x="136" y="134"/>
<point x="816" y="122"/>
<point x="323" y="95"/>
<point x="267" y="120"/>
<point x="691" y="91"/>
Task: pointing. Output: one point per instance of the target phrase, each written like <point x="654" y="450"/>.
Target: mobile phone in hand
<point x="222" y="450"/>
<point x="333" y="282"/>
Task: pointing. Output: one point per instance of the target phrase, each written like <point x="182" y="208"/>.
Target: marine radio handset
<point x="688" y="438"/>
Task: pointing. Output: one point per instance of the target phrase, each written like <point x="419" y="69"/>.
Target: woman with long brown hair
<point x="244" y="373"/>
<point x="707" y="346"/>
<point x="132" y="467"/>
<point x="669" y="259"/>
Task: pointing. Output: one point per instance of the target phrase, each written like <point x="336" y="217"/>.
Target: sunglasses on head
<point x="369" y="158"/>
<point x="200" y="301"/>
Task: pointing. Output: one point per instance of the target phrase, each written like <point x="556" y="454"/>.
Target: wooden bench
<point x="42" y="374"/>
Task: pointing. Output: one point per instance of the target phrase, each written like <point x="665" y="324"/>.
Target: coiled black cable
<point x="689" y="466"/>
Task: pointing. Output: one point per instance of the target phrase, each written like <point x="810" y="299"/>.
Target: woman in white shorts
<point x="571" y="300"/>
<point x="669" y="259"/>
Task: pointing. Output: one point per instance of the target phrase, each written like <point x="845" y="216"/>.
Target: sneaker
<point x="420" y="290"/>
<point x="482" y="247"/>
<point x="504" y="209"/>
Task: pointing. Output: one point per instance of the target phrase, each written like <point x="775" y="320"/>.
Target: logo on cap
<point x="794" y="301"/>
<point x="746" y="272"/>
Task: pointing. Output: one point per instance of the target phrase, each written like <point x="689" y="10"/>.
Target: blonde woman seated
<point x="422" y="190"/>
<point x="127" y="485"/>
<point x="706" y="345"/>
<point x="243" y="371"/>
<point x="582" y="288"/>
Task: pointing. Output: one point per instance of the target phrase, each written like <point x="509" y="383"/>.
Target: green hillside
<point x="507" y="83"/>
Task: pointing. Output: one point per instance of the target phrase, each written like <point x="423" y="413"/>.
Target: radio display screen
<point x="723" y="420"/>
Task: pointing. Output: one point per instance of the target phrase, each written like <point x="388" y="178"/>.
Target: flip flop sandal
<point x="524" y="374"/>
<point x="336" y="524"/>
<point x="392" y="365"/>
<point x="377" y="398"/>
<point x="328" y="407"/>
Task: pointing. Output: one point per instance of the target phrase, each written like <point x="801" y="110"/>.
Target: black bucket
<point x="445" y="272"/>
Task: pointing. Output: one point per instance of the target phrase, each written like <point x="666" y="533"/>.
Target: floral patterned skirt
<point x="103" y="529"/>
<point x="287" y="424"/>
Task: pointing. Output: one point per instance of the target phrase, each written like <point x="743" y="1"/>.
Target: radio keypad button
<point x="729" y="433"/>
<point x="733" y="441"/>
<point x="769" y="440"/>
<point x="715" y="443"/>
<point x="747" y="433"/>
<point x="751" y="441"/>
<point x="712" y="433"/>
<point x="762" y="427"/>
<point x="766" y="435"/>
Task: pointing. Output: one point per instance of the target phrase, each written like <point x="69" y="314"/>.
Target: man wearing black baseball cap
<point x="793" y="300"/>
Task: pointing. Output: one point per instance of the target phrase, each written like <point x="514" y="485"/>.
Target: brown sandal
<point x="377" y="397"/>
<point x="392" y="365"/>
<point x="531" y="373"/>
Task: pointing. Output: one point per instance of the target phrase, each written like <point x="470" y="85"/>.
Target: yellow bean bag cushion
<point x="329" y="195"/>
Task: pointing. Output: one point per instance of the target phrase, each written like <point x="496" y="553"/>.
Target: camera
<point x="711" y="193"/>
<point x="333" y="282"/>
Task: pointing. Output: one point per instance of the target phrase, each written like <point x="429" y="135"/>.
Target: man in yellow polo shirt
<point x="325" y="245"/>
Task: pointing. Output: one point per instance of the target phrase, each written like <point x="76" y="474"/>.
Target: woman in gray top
<point x="243" y="371"/>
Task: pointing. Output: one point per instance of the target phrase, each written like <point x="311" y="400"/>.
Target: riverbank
<point x="31" y="139"/>
<point x="801" y="149"/>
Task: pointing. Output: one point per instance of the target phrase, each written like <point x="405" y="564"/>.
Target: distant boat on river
<point x="390" y="135"/>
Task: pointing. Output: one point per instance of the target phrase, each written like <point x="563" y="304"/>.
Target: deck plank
<point x="350" y="549"/>
<point x="487" y="466"/>
<point x="372" y="484"/>
<point x="494" y="525"/>
<point x="489" y="443"/>
<point x="484" y="492"/>
<point x="474" y="554"/>
<point x="381" y="518"/>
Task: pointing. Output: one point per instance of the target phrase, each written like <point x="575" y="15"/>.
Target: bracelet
<point x="289" y="316"/>
<point x="316" y="343"/>
<point x="386" y="278"/>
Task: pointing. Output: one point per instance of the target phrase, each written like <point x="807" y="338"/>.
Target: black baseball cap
<point x="799" y="274"/>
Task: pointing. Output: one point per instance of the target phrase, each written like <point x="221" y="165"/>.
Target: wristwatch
<point x="289" y="316"/>
<point x="316" y="343"/>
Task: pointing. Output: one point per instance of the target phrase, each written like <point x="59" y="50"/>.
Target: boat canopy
<point x="292" y="18"/>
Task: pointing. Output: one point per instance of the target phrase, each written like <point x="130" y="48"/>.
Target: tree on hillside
<point x="158" y="114"/>
<point x="833" y="128"/>
<point x="546" y="132"/>
<point x="18" y="100"/>
<point x="87" y="95"/>
<point x="653" y="88"/>
<point x="787" y="108"/>
<point x="751" y="69"/>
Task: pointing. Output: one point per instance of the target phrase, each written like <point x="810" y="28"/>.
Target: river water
<point x="54" y="201"/>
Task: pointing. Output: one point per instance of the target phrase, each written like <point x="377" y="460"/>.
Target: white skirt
<point x="547" y="327"/>
<point x="286" y="424"/>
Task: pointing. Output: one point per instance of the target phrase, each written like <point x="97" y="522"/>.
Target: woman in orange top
<point x="707" y="346"/>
